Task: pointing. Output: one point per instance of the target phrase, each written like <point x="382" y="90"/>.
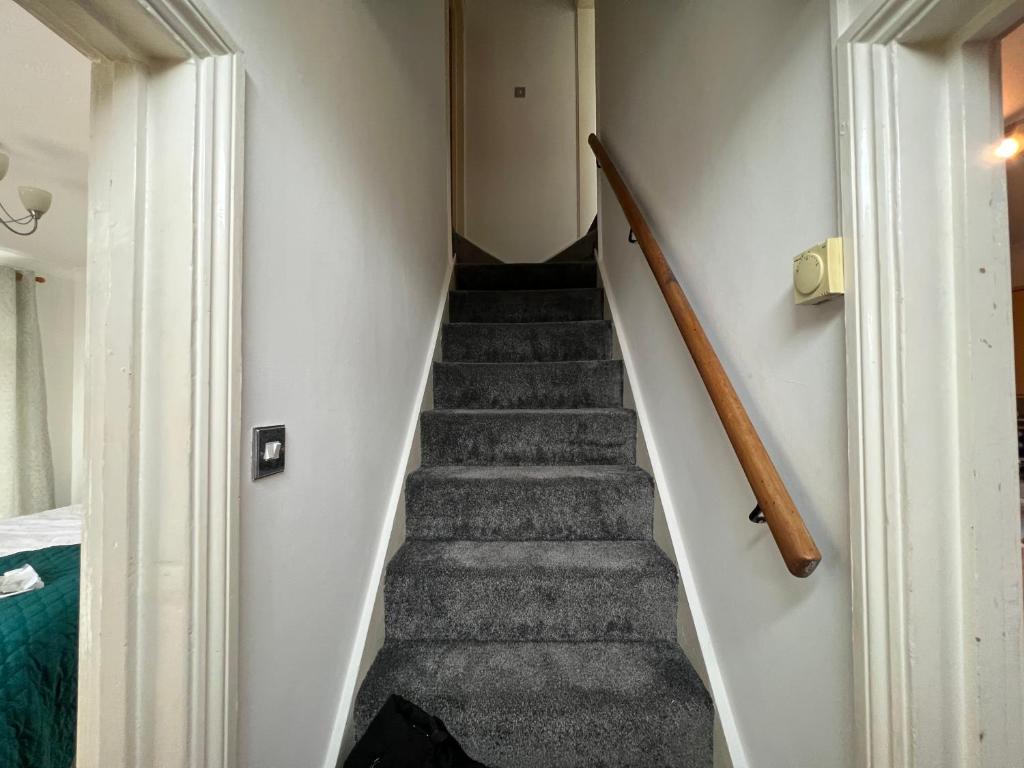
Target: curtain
<point x="26" y="464"/>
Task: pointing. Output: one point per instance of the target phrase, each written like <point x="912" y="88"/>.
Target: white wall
<point x="520" y="173"/>
<point x="346" y="248"/>
<point x="586" y="116"/>
<point x="720" y="117"/>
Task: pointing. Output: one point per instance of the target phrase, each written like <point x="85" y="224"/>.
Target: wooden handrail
<point x="791" y="535"/>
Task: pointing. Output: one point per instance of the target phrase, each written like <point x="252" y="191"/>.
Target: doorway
<point x="161" y="382"/>
<point x="522" y="95"/>
<point x="44" y="143"/>
<point x="935" y="516"/>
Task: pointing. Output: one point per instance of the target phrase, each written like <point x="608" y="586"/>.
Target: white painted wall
<point x="720" y="117"/>
<point x="346" y="250"/>
<point x="586" y="116"/>
<point x="520" y="174"/>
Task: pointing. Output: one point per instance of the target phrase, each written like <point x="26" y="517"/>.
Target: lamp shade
<point x="36" y="201"/>
<point x="5" y="163"/>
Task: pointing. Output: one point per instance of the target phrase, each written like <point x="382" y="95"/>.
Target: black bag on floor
<point x="402" y="735"/>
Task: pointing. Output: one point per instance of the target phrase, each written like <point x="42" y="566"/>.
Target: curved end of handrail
<point x="804" y="566"/>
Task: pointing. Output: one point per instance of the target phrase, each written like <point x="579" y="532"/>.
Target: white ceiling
<point x="44" y="127"/>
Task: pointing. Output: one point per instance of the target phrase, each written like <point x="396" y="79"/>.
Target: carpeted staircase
<point x="530" y="608"/>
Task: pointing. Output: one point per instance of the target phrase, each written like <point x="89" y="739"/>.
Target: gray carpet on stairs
<point x="581" y="384"/>
<point x="563" y="436"/>
<point x="526" y="342"/>
<point x="530" y="608"/>
<point x="521" y="306"/>
<point x="552" y="503"/>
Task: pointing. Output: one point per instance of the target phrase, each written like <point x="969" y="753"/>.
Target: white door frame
<point x="158" y="636"/>
<point x="935" y="554"/>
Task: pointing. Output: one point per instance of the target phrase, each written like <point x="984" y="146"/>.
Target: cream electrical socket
<point x="818" y="272"/>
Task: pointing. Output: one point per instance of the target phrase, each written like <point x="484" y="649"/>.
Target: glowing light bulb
<point x="1008" y="147"/>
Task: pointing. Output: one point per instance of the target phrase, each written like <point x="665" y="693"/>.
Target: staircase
<point x="530" y="608"/>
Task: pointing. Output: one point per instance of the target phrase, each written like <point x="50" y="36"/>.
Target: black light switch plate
<point x="261" y="466"/>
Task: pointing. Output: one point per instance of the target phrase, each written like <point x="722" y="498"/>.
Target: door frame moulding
<point x="934" y="509"/>
<point x="159" y="607"/>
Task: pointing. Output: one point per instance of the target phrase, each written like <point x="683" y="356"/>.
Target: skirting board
<point x="354" y="672"/>
<point x="723" y="708"/>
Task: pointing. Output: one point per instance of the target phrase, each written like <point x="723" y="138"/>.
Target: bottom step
<point x="553" y="705"/>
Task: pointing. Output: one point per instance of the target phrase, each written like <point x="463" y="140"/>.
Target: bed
<point x="39" y="641"/>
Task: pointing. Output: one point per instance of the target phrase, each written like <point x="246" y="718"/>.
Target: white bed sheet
<point x="52" y="528"/>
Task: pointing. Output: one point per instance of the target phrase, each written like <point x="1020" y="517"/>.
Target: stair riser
<point x="526" y="343"/>
<point x="525" y="306"/>
<point x="573" y="606"/>
<point x="511" y="385"/>
<point x="513" y="277"/>
<point x="531" y="437"/>
<point x="530" y="509"/>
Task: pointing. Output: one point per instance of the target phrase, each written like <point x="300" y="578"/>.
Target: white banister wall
<point x="346" y="251"/>
<point x="719" y="115"/>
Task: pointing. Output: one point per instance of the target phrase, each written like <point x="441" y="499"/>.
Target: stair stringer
<point x="692" y="627"/>
<point x="370" y="633"/>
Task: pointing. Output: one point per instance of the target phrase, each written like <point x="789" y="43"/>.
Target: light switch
<point x="519" y="92"/>
<point x="267" y="451"/>
<point x="818" y="272"/>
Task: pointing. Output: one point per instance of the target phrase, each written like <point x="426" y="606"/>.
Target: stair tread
<point x="514" y="265"/>
<point x="503" y="591"/>
<point x="634" y="670"/>
<point x="512" y="413"/>
<point x="541" y="324"/>
<point x="546" y="293"/>
<point x="524" y="503"/>
<point x="485" y="365"/>
<point x="560" y="705"/>
<point x="531" y="472"/>
<point x="533" y="557"/>
<point x="527" y="341"/>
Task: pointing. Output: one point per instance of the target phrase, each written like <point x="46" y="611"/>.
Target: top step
<point x="524" y="277"/>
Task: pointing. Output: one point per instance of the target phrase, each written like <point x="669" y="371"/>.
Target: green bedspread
<point x="39" y="663"/>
